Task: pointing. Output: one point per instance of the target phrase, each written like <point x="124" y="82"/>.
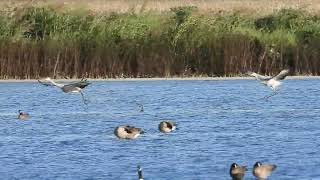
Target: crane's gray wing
<point x="262" y="78"/>
<point x="79" y="84"/>
<point x="259" y="77"/>
<point x="282" y="75"/>
<point x="45" y="83"/>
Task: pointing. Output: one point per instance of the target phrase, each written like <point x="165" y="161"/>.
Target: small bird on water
<point x="271" y="82"/>
<point x="140" y="173"/>
<point x="263" y="171"/>
<point x="167" y="126"/>
<point x="141" y="107"/>
<point x="237" y="172"/>
<point x="23" y="115"/>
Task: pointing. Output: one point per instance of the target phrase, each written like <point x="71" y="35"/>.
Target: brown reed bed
<point x="183" y="41"/>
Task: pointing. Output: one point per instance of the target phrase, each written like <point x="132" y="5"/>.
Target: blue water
<point x="220" y="122"/>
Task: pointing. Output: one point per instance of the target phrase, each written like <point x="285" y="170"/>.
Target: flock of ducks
<point x="260" y="171"/>
<point x="237" y="172"/>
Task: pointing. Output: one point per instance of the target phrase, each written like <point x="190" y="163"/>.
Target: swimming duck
<point x="23" y="115"/>
<point x="263" y="171"/>
<point x="167" y="126"/>
<point x="127" y="132"/>
<point x="140" y="173"/>
<point x="237" y="172"/>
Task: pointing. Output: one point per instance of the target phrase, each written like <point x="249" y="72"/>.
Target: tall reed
<point x="39" y="42"/>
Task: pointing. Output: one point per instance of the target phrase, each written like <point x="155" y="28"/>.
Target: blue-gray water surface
<point x="220" y="122"/>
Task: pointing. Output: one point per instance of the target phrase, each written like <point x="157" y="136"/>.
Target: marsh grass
<point x="184" y="41"/>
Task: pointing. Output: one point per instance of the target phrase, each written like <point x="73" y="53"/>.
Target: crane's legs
<point x="85" y="101"/>
<point x="271" y="95"/>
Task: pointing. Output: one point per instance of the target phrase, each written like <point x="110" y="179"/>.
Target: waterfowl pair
<point x="131" y="132"/>
<point x="260" y="171"/>
<point x="23" y="115"/>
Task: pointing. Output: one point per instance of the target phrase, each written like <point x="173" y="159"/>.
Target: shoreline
<point x="159" y="79"/>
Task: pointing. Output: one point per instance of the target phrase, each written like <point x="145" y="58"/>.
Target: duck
<point x="263" y="171"/>
<point x="128" y="132"/>
<point x="237" y="172"/>
<point x="140" y="173"/>
<point x="167" y="126"/>
<point x="23" y="115"/>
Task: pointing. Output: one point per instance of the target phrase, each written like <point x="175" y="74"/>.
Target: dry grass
<point x="259" y="7"/>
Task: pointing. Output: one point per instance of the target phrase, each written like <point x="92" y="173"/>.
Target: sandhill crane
<point x="73" y="87"/>
<point x="272" y="82"/>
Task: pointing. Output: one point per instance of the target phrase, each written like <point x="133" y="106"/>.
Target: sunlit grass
<point x="258" y="7"/>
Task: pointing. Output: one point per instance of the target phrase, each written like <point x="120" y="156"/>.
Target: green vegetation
<point x="180" y="42"/>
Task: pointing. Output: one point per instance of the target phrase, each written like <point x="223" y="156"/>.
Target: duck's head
<point x="257" y="164"/>
<point x="234" y="165"/>
<point x="140" y="173"/>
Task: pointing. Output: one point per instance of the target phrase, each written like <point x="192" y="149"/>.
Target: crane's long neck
<point x="260" y="78"/>
<point x="55" y="84"/>
<point x="256" y="76"/>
